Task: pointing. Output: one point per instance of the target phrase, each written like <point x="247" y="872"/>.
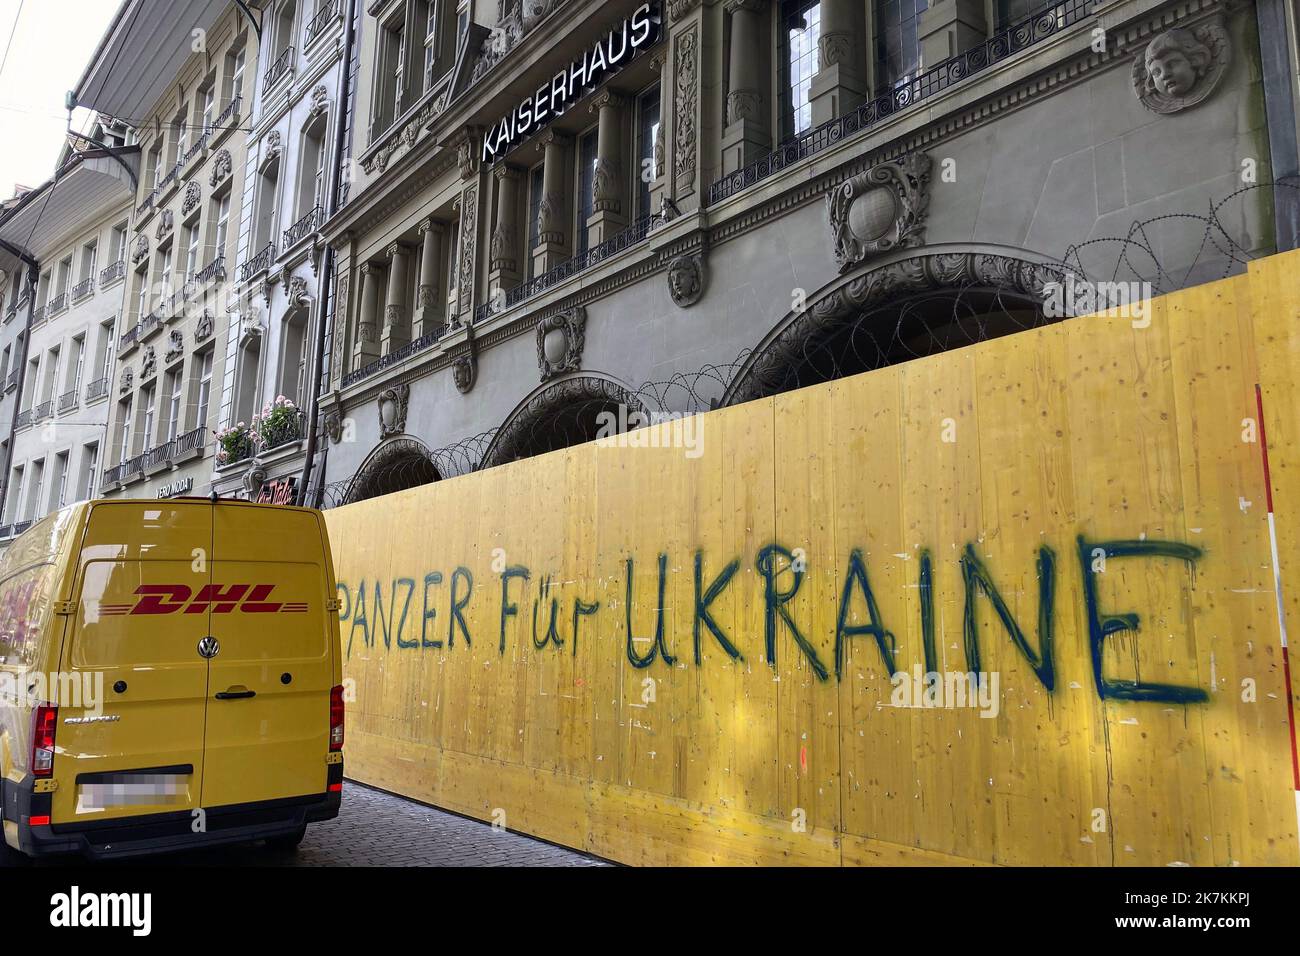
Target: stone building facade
<point x="555" y="203"/>
<point x="291" y="179"/>
<point x="191" y="120"/>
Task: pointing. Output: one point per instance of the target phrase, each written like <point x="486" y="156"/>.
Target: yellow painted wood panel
<point x="1096" y="481"/>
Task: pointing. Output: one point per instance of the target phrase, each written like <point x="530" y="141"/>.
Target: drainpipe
<point x="327" y="265"/>
<point x="33" y="277"/>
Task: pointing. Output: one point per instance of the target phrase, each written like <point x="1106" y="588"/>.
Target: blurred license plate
<point x="112" y="790"/>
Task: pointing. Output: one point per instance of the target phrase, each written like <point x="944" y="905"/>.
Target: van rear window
<point x="24" y="613"/>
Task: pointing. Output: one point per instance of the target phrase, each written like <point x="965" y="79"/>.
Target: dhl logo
<point x="211" y="598"/>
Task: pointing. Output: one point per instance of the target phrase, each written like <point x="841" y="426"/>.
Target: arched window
<point x="311" y="174"/>
<point x="268" y="198"/>
<point x="292" y="373"/>
<point x="250" y="357"/>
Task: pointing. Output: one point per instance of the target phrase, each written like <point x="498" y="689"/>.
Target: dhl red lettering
<point x="256" y="602"/>
<point x="222" y="602"/>
<point x="152" y="595"/>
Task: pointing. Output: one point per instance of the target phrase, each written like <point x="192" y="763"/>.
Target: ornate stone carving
<point x="148" y="363"/>
<point x="222" y="166"/>
<point x="272" y="146"/>
<point x="834" y="48"/>
<point x="338" y="342"/>
<point x="254" y="478"/>
<point x="334" y="427"/>
<point x="125" y="381"/>
<point x="393" y="403"/>
<point x="467" y="158"/>
<point x="560" y="338"/>
<point x="295" y="290"/>
<point x="499" y="42"/>
<point x="193" y="196"/>
<point x="686" y="280"/>
<point x="605" y="185"/>
<point x="175" y="346"/>
<point x="744" y="105"/>
<point x="1182" y="66"/>
<point x="320" y="99"/>
<point x="679" y="8"/>
<point x="534" y="11"/>
<point x="881" y="209"/>
<point x="686" y="93"/>
<point x="207" y="325"/>
<point x="166" y="224"/>
<point x="141" y="250"/>
<point x="464" y="371"/>
<point x="550" y="222"/>
<point x="468" y="213"/>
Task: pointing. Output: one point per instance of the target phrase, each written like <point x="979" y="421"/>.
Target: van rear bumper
<point x="162" y="832"/>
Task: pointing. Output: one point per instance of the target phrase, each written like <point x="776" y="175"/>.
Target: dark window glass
<point x="1013" y="11"/>
<point x="800" y="28"/>
<point x="898" y="53"/>
<point x="648" y="118"/>
<point x="586" y="185"/>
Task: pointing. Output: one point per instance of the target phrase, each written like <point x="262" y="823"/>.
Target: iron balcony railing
<point x="943" y="76"/>
<point x="392" y="358"/>
<point x="68" y="400"/>
<point x="200" y="144"/>
<point x="58" y="303"/>
<point x="21" y="526"/>
<point x="97" y="389"/>
<point x="289" y="430"/>
<point x="83" y="288"/>
<point x="39" y="314"/>
<point x="258" y="264"/>
<point x="159" y="455"/>
<point x="303" y="228"/>
<point x="279" y="67"/>
<point x="112" y="273"/>
<point x="24" y="418"/>
<point x="111" y="476"/>
<point x="43" y="411"/>
<point x="189" y="441"/>
<point x="213" y="271"/>
<point x="231" y="109"/>
<point x="152" y="322"/>
<point x="629" y="237"/>
<point x="129" y="340"/>
<point x="328" y="12"/>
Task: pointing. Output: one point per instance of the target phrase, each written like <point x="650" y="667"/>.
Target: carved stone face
<point x="1171" y="71"/>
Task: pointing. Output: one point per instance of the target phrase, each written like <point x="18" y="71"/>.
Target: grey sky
<point x="53" y="41"/>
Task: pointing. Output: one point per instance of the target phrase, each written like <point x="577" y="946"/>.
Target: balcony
<point x="278" y="69"/>
<point x="629" y="237"/>
<point x="112" y="273"/>
<point x="83" y="289"/>
<point x="258" y="264"/>
<point x="288" y="431"/>
<point x="214" y="271"/>
<point x="24" y="418"/>
<point x="191" y="441"/>
<point x="58" y="303"/>
<point x="129" y="340"/>
<point x="328" y="13"/>
<point x="156" y="459"/>
<point x="43" y="411"/>
<point x="303" y="228"/>
<point x="68" y="401"/>
<point x="21" y="526"/>
<point x="392" y="358"/>
<point x="39" y="314"/>
<point x="1047" y="22"/>
<point x="229" y="113"/>
<point x="97" y="389"/>
<point x="153" y="322"/>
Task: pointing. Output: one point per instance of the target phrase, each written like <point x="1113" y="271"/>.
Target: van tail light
<point x="47" y="717"/>
<point x="336" y="718"/>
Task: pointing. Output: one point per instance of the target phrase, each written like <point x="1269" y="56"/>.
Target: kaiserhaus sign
<point x="602" y="61"/>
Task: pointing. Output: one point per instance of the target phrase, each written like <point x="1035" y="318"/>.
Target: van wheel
<point x="287" y="843"/>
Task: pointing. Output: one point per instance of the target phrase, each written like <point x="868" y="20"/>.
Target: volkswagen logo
<point x="208" y="647"/>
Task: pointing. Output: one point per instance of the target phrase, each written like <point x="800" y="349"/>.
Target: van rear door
<point x="269" y="686"/>
<point x="140" y="749"/>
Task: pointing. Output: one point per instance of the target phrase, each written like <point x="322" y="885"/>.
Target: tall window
<point x="647" y="136"/>
<point x="391" y="51"/>
<point x="148" y="398"/>
<point x="142" y="297"/>
<point x="209" y="100"/>
<point x="284" y="26"/>
<point x="586" y="185"/>
<point x="222" y="228"/>
<point x="293" y="357"/>
<point x="89" y="253"/>
<point x="117" y="249"/>
<point x="166" y="261"/>
<point x="65" y="275"/>
<point x="156" y="163"/>
<point x="1010" y="12"/>
<point x="800" y="30"/>
<point x="89" y="465"/>
<point x="235" y="62"/>
<point x="898" y="52"/>
<point x="78" y="364"/>
<point x="536" y="183"/>
<point x="267" y="204"/>
<point x="181" y="134"/>
<point x="126" y="409"/>
<point x="191" y="250"/>
<point x="59" y="487"/>
<point x="107" y="340"/>
<point x="38" y="486"/>
<point x="429" y="12"/>
<point x="453" y="264"/>
<point x="311" y="176"/>
<point x="204" y="394"/>
<point x="174" y="402"/>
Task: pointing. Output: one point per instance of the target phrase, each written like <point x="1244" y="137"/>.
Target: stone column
<point x="430" y="307"/>
<point x="746" y="137"/>
<point x="608" y="187"/>
<point x="397" y="323"/>
<point x="504" y="253"/>
<point x="553" y="215"/>
<point x="950" y="27"/>
<point x="839" y="85"/>
<point x="366" y="343"/>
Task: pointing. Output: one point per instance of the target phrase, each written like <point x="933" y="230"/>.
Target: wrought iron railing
<point x="328" y="12"/>
<point x="129" y="340"/>
<point x="629" y="237"/>
<point x="943" y="76"/>
<point x="83" y="288"/>
<point x="189" y="441"/>
<point x="24" y="418"/>
<point x="112" y="273"/>
<point x="68" y="400"/>
<point x="214" y="270"/>
<point x="200" y="144"/>
<point x="289" y="429"/>
<point x="152" y="322"/>
<point x="159" y="455"/>
<point x="279" y="67"/>
<point x="39" y="314"/>
<point x="58" y="303"/>
<point x="301" y="229"/>
<point x="258" y="264"/>
<point x="231" y="109"/>
<point x="21" y="526"/>
<point x="111" y="475"/>
<point x="97" y="389"/>
<point x="392" y="358"/>
<point x="43" y="411"/>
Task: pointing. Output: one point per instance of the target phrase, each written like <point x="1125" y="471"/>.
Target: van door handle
<point x="235" y="694"/>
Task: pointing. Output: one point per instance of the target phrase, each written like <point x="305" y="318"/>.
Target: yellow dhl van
<point x="210" y="629"/>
